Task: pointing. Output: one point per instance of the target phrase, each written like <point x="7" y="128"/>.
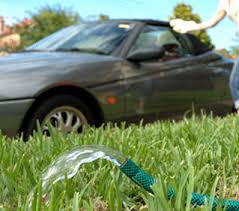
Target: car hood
<point x="34" y="61"/>
<point x="25" y="75"/>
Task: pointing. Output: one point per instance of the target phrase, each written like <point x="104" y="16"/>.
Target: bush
<point x="45" y="21"/>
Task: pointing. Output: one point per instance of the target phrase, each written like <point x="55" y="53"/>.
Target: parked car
<point x="118" y="70"/>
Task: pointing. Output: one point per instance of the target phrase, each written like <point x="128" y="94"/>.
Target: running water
<point x="69" y="163"/>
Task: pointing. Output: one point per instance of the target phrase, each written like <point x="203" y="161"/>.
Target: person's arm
<point x="190" y="26"/>
<point x="212" y="22"/>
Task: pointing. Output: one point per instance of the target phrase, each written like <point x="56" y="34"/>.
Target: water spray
<point x="71" y="161"/>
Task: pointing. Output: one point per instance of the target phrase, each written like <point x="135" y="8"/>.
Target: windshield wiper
<point x="84" y="50"/>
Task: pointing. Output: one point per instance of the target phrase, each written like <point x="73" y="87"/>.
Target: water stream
<point x="69" y="163"/>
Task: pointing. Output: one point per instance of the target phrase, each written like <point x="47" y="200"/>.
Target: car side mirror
<point x="146" y="54"/>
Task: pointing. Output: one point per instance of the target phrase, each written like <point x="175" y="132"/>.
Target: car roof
<point x="147" y="21"/>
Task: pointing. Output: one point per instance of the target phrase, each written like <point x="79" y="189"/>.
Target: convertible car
<point x="118" y="70"/>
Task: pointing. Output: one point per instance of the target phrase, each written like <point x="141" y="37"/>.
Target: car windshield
<point x="99" y="38"/>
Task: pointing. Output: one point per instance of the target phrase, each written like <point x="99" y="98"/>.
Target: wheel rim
<point x="65" y="119"/>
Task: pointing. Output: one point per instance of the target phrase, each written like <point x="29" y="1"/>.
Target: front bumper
<point x="12" y="113"/>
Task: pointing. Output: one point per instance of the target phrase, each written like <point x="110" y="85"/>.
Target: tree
<point x="185" y="12"/>
<point x="103" y="17"/>
<point x="235" y="49"/>
<point x="45" y="21"/>
<point x="227" y="53"/>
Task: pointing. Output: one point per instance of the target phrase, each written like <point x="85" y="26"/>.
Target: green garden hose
<point x="144" y="180"/>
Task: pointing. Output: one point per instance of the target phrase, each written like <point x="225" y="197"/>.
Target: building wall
<point x="2" y="25"/>
<point x="11" y="40"/>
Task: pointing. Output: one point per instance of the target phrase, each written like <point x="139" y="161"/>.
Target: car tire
<point x="55" y="105"/>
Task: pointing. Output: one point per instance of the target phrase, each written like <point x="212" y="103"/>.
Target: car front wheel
<point x="65" y="113"/>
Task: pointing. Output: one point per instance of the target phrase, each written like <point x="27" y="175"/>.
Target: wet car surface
<point x="119" y="70"/>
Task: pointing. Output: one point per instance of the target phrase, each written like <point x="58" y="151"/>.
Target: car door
<point x="170" y="85"/>
<point x="219" y="69"/>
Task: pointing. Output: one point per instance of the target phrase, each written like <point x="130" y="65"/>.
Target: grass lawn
<point x="194" y="155"/>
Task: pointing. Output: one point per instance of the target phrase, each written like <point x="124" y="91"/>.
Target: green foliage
<point x="103" y="17"/>
<point x="190" y="156"/>
<point x="185" y="12"/>
<point x="224" y="52"/>
<point x="46" y="20"/>
<point x="235" y="50"/>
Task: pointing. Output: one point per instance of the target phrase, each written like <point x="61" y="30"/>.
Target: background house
<point x="9" y="35"/>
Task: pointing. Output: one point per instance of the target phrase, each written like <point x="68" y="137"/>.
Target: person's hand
<point x="182" y="26"/>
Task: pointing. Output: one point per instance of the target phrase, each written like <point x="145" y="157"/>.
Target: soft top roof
<point x="147" y="21"/>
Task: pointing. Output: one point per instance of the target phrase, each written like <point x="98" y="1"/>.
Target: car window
<point x="101" y="37"/>
<point x="197" y="47"/>
<point x="156" y="36"/>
